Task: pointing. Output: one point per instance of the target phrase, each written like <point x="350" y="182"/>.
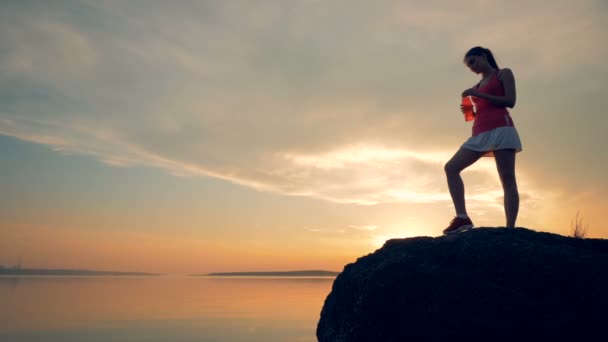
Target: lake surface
<point x="165" y="308"/>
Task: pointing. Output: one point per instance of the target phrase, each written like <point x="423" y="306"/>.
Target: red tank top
<point x="488" y="115"/>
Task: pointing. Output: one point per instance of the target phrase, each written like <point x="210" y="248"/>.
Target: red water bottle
<point x="468" y="108"/>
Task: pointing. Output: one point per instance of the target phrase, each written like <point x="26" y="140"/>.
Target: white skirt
<point x="500" y="138"/>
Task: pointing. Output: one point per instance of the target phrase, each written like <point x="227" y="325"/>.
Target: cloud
<point x="370" y="227"/>
<point x="341" y="101"/>
<point x="542" y="40"/>
<point x="361" y="174"/>
<point x="44" y="50"/>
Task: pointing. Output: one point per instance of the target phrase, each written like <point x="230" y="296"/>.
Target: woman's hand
<point x="471" y="92"/>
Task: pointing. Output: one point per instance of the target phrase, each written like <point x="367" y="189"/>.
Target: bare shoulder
<point x="505" y="73"/>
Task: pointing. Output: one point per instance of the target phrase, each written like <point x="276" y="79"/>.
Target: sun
<point x="379" y="240"/>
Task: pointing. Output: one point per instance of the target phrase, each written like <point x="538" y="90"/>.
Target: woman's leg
<point x="505" y="163"/>
<point x="460" y="161"/>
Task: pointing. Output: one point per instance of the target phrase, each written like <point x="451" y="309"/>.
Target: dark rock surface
<point x="493" y="283"/>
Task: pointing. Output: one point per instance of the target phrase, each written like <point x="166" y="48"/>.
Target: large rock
<point x="494" y="283"/>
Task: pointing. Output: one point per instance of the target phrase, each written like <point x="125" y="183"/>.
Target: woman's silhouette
<point x="493" y="135"/>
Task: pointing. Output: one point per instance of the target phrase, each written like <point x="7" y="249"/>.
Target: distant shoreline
<point x="313" y="273"/>
<point x="68" y="272"/>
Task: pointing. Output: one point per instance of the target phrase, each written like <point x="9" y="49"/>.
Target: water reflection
<point x="184" y="308"/>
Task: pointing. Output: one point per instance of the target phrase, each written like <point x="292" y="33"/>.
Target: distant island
<point x="67" y="272"/>
<point x="311" y="273"/>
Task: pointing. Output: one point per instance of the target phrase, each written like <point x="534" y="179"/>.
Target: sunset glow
<point x="281" y="135"/>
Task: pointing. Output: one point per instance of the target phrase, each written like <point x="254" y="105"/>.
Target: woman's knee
<point x="451" y="168"/>
<point x="508" y="179"/>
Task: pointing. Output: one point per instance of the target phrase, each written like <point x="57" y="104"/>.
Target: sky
<point x="209" y="136"/>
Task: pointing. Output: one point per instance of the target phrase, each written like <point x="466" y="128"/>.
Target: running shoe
<point x="458" y="225"/>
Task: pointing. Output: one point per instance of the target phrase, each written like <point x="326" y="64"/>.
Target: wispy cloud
<point x="299" y="98"/>
<point x="44" y="50"/>
<point x="369" y="227"/>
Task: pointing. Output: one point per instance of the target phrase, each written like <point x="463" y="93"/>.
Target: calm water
<point x="160" y="308"/>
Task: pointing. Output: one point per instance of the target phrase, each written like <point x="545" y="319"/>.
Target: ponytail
<point x="480" y="51"/>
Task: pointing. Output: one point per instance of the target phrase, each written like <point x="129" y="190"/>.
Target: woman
<point x="493" y="135"/>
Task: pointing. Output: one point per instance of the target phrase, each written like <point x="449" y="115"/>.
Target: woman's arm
<point x="508" y="82"/>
